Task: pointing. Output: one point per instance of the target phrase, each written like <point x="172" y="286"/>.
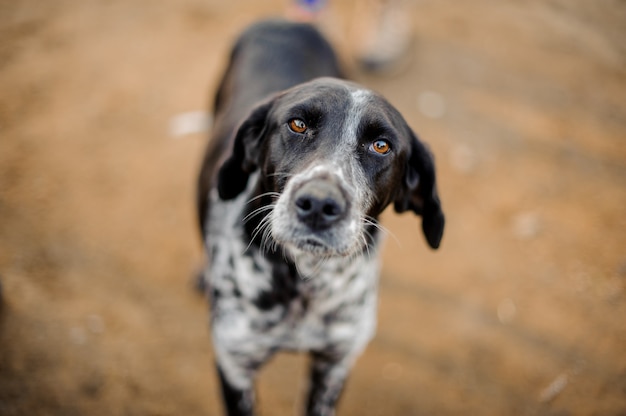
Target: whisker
<point x="371" y="221"/>
<point x="283" y="174"/>
<point x="267" y="242"/>
<point x="271" y="193"/>
<point x="284" y="253"/>
<point x="257" y="211"/>
<point x="264" y="223"/>
<point x="365" y="243"/>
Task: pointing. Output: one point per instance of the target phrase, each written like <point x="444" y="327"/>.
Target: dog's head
<point x="331" y="157"/>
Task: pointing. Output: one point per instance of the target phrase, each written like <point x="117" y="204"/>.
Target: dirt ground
<point x="521" y="312"/>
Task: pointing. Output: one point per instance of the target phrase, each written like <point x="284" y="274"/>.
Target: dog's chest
<point x="257" y="302"/>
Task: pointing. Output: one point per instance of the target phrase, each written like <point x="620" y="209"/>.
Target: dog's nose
<point x="319" y="204"/>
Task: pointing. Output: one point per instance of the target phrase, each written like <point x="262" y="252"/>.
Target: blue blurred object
<point x="311" y="5"/>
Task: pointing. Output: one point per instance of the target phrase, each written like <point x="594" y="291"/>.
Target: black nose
<point x="319" y="205"/>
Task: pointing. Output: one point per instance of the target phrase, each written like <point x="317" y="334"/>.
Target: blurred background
<point x="521" y="312"/>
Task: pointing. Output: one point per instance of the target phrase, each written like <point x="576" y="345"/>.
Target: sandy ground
<point x="521" y="312"/>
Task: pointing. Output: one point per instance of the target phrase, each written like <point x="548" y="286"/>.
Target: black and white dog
<point x="298" y="169"/>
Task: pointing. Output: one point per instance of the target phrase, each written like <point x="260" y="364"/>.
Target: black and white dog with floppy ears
<point x="299" y="167"/>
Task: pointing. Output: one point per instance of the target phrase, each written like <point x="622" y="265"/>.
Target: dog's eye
<point x="381" y="147"/>
<point x="297" y="125"/>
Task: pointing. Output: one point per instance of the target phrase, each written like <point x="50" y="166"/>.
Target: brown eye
<point x="380" y="146"/>
<point x="297" y="126"/>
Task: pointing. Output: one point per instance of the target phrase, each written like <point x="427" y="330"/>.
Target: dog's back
<point x="258" y="69"/>
<point x="258" y="66"/>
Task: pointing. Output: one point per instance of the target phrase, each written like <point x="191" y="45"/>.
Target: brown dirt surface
<point x="521" y="312"/>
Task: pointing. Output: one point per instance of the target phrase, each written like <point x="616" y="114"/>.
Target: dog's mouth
<point x="315" y="246"/>
<point x="318" y="247"/>
<point x="313" y="243"/>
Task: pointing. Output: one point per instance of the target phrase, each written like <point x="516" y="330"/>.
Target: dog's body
<point x="298" y="170"/>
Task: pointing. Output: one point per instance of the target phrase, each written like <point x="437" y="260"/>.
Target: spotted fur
<point x="290" y="217"/>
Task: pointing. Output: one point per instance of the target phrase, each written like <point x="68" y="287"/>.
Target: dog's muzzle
<point x="316" y="214"/>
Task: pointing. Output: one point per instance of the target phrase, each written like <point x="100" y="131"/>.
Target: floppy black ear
<point x="418" y="192"/>
<point x="232" y="176"/>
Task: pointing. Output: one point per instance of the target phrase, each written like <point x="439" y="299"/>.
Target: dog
<point x="299" y="167"/>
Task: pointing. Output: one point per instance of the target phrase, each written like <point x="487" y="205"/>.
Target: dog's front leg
<point x="328" y="375"/>
<point x="237" y="369"/>
<point x="237" y="401"/>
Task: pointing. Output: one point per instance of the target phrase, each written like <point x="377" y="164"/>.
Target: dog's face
<point x="331" y="157"/>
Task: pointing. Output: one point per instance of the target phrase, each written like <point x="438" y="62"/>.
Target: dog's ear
<point x="418" y="191"/>
<point x="232" y="177"/>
